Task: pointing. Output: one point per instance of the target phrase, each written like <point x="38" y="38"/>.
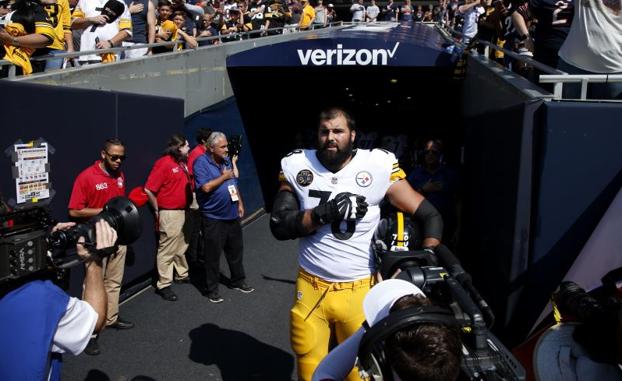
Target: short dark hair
<point x="333" y="112"/>
<point x="203" y="134"/>
<point x="112" y="142"/>
<point x="175" y="142"/>
<point x="424" y="352"/>
<point x="164" y="3"/>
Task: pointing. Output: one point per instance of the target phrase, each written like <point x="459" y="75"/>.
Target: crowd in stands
<point x="533" y="28"/>
<point x="48" y="27"/>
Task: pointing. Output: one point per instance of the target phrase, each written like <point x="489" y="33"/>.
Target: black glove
<point x="345" y="205"/>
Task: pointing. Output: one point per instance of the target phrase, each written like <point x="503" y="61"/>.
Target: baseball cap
<point x="382" y="296"/>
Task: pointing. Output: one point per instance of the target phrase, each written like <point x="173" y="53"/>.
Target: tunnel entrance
<point x="408" y="95"/>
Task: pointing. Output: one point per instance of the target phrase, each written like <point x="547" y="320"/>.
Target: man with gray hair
<point x="221" y="207"/>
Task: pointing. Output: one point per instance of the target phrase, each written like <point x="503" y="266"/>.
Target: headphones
<point x="372" y="361"/>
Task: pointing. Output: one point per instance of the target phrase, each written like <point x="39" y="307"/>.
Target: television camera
<point x="27" y="246"/>
<point x="456" y="302"/>
<point x="235" y="145"/>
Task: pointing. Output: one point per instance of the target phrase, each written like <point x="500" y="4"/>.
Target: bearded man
<point x="329" y="198"/>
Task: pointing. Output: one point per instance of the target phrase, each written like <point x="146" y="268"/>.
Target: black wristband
<point x="111" y="44"/>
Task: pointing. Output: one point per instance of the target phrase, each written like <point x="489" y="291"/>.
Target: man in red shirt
<point x="193" y="254"/>
<point x="92" y="189"/>
<point x="169" y="191"/>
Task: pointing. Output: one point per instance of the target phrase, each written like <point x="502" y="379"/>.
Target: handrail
<point x="583" y="79"/>
<point x="552" y="75"/>
<point x="119" y="49"/>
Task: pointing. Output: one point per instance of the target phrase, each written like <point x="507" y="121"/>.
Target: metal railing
<point x="231" y="37"/>
<point x="583" y="79"/>
<point x="552" y="75"/>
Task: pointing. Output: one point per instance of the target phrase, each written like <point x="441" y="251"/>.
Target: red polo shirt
<point x="170" y="182"/>
<point x="193" y="155"/>
<point x="94" y="187"/>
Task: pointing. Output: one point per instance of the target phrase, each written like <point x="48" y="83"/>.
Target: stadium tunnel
<point x="394" y="79"/>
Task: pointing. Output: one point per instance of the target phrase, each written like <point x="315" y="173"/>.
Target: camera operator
<point x="422" y="352"/>
<point x="92" y="189"/>
<point x="39" y="321"/>
<point x="586" y="344"/>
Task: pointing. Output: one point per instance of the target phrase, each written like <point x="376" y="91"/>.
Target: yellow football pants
<point x="324" y="310"/>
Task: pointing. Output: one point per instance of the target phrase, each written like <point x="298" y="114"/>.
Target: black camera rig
<point x="28" y="246"/>
<point x="235" y="145"/>
<point x="440" y="276"/>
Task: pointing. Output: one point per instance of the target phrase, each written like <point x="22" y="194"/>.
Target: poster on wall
<point x="32" y="179"/>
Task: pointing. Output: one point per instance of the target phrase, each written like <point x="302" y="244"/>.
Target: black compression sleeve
<point x="286" y="218"/>
<point x="431" y="220"/>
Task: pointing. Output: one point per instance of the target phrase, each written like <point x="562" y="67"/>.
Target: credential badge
<point x="364" y="179"/>
<point x="304" y="177"/>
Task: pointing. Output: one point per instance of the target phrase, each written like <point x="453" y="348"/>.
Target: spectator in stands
<point x="193" y="14"/>
<point x="102" y="28"/>
<point x="438" y="12"/>
<point x="320" y="15"/>
<point x="406" y="12"/>
<point x="166" y="30"/>
<point x="307" y="16"/>
<point x="232" y="26"/>
<point x="92" y="189"/>
<point x="276" y="17"/>
<point x="295" y="8"/>
<point x="372" y="12"/>
<point x="418" y="16"/>
<point x="169" y="191"/>
<point x="4" y="7"/>
<point x="143" y="27"/>
<point x="256" y="14"/>
<point x="245" y="18"/>
<point x="208" y="29"/>
<point x="470" y="10"/>
<point x="554" y="20"/>
<point x="186" y="40"/>
<point x="358" y="11"/>
<point x="594" y="46"/>
<point x="437" y="183"/>
<point x="27" y="28"/>
<point x="228" y="5"/>
<point x="331" y="15"/>
<point x="516" y="21"/>
<point x="390" y="11"/>
<point x="222" y="207"/>
<point x="59" y="15"/>
<point x="427" y="15"/>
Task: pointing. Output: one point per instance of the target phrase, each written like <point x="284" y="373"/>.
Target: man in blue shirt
<point x="221" y="206"/>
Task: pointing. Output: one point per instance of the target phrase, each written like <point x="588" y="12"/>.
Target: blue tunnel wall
<point x="539" y="178"/>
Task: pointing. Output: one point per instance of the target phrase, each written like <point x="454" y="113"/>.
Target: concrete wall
<point x="199" y="77"/>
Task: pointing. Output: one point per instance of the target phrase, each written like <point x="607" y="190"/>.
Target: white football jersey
<point x="342" y="251"/>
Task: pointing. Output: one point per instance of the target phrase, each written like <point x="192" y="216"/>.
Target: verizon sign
<point x="346" y="57"/>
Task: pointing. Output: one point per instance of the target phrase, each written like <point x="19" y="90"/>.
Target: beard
<point x="333" y="160"/>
